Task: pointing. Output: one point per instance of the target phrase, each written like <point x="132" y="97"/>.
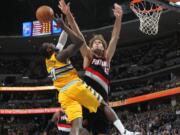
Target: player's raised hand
<point x="60" y="21"/>
<point x="117" y="10"/>
<point x="65" y="8"/>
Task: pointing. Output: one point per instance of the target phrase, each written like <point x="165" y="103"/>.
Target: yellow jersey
<point x="60" y="73"/>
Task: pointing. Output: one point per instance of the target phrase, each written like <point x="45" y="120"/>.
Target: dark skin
<point x="62" y="56"/>
<point x="70" y="50"/>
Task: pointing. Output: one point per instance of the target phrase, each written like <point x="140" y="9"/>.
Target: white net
<point x="149" y="15"/>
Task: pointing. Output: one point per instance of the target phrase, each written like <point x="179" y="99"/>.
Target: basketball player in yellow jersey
<point x="73" y="92"/>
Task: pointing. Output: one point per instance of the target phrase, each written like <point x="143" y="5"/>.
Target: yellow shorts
<point x="75" y="95"/>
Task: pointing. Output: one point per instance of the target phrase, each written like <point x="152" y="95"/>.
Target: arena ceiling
<point x="89" y="13"/>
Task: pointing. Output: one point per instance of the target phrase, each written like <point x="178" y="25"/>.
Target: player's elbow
<point x="81" y="41"/>
<point x="115" y="38"/>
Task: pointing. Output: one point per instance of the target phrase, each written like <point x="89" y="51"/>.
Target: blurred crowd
<point x="49" y="98"/>
<point x="137" y="69"/>
<point x="29" y="100"/>
<point x="158" y="119"/>
<point x="146" y="57"/>
<point x="161" y="120"/>
<point x="131" y="60"/>
<point x="23" y="124"/>
<point x="152" y="64"/>
<point x="121" y="91"/>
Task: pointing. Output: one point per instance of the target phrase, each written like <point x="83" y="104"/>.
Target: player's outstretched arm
<point x="115" y="33"/>
<point x="85" y="50"/>
<point x="71" y="49"/>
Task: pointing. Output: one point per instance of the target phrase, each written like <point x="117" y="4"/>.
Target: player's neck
<point x="98" y="53"/>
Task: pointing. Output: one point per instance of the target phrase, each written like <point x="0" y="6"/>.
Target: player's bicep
<point x="86" y="62"/>
<point x="85" y="50"/>
<point x="67" y="53"/>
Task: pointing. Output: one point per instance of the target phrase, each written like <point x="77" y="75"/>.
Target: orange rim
<point x="148" y="11"/>
<point x="136" y="1"/>
<point x="158" y="8"/>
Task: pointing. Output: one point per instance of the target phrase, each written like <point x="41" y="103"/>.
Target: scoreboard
<point x="36" y="28"/>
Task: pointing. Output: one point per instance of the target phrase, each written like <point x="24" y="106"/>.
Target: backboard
<point x="169" y="4"/>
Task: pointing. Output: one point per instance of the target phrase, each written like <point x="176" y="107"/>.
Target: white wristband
<point x="62" y="41"/>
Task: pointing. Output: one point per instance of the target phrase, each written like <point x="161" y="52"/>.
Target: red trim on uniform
<point x="97" y="74"/>
<point x="64" y="125"/>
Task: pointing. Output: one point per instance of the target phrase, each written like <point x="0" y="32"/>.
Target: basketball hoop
<point x="149" y="14"/>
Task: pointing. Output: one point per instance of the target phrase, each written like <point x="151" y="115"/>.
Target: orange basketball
<point x="44" y="14"/>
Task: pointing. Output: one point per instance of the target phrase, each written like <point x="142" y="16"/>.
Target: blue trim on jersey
<point x="62" y="68"/>
<point x="54" y="75"/>
<point x="68" y="85"/>
<point x="63" y="72"/>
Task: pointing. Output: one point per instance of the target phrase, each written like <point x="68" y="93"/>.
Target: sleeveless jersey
<point x="60" y="73"/>
<point x="97" y="73"/>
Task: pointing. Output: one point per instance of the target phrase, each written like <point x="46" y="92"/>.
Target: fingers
<point x="117" y="6"/>
<point x="61" y="20"/>
<point x="60" y="7"/>
<point x="68" y="6"/>
<point x="57" y="16"/>
<point x="65" y="8"/>
<point x="62" y="3"/>
<point x="117" y="14"/>
<point x="117" y="10"/>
